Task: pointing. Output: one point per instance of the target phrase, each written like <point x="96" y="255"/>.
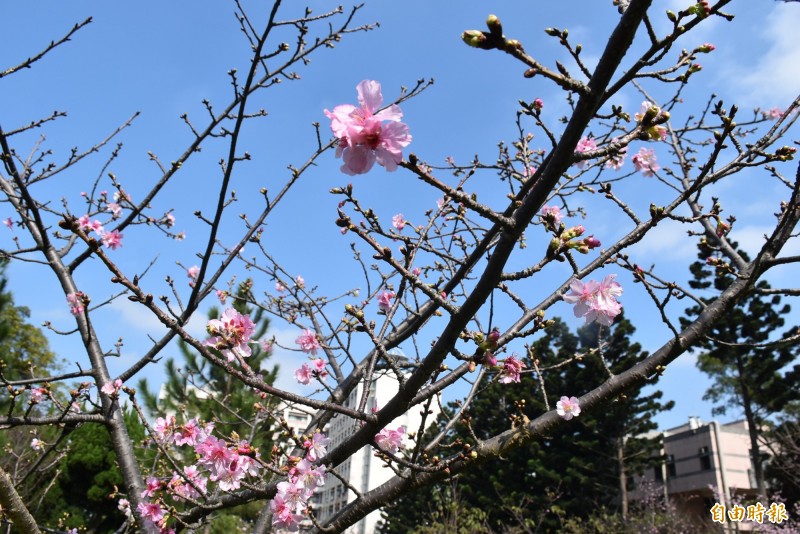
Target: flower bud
<point x="493" y="23"/>
<point x="474" y="38"/>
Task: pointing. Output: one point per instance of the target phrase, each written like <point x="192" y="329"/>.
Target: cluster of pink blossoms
<point x="112" y="239"/>
<point x="75" y="301"/>
<point x="596" y="301"/>
<point x="291" y="499"/>
<point x="192" y="273"/>
<point x="363" y="138"/>
<point x="217" y="461"/>
<point x="231" y="334"/>
<point x="305" y="373"/>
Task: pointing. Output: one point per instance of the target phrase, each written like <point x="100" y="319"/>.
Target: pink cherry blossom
<point x="163" y="428"/>
<point x="568" y="407"/>
<point x="222" y="296"/>
<point x="300" y="282"/>
<point x="283" y="514"/>
<point x="306" y="474"/>
<point x="151" y="511"/>
<point x="152" y="485"/>
<point x="538" y="104"/>
<point x="75" y="301"/>
<point x="585" y="145"/>
<point x="596" y="301"/>
<point x="511" y="370"/>
<point x="616" y="161"/>
<point x="231" y="334"/>
<point x="317" y="446"/>
<point x="38" y="394"/>
<point x="111" y="387"/>
<point x="9" y="223"/>
<point x="188" y="434"/>
<point x="385" y="301"/>
<point x="363" y="138"/>
<point x="308" y="342"/>
<point x="115" y="209"/>
<point x="319" y="368"/>
<point x="169" y="220"/>
<point x="192" y="273"/>
<point x="645" y="162"/>
<point x="391" y="440"/>
<point x="552" y="212"/>
<point x="398" y="222"/>
<point x="112" y="240"/>
<point x="37" y="444"/>
<point x="124" y="506"/>
<point x="416" y="271"/>
<point x="775" y="113"/>
<point x="303" y="374"/>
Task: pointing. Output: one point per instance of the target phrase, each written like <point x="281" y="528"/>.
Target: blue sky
<point x="164" y="58"/>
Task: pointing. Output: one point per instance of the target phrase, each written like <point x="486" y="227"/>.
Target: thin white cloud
<point x="775" y="78"/>
<point x="667" y="241"/>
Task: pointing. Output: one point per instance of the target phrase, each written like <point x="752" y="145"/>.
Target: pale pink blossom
<point x="124" y="506"/>
<point x="169" y="220"/>
<point x="283" y="514"/>
<point x="511" y="370"/>
<point x="38" y="394"/>
<point x="596" y="301"/>
<point x="316" y="446"/>
<point x="303" y="374"/>
<point x="568" y="407"/>
<point x="75" y="407"/>
<point x="363" y="138"/>
<point x="617" y="160"/>
<point x="308" y="342"/>
<point x="180" y="236"/>
<point x="300" y="282"/>
<point x="585" y="145"/>
<point x="115" y="209"/>
<point x="121" y="194"/>
<point x="37" y="444"/>
<point x="231" y="334"/>
<point x="163" y="428"/>
<point x="75" y="301"/>
<point x="9" y="223"/>
<point x="775" y="113"/>
<point x="222" y="296"/>
<point x="398" y="222"/>
<point x="267" y="345"/>
<point x="391" y="440"/>
<point x="280" y="288"/>
<point x="214" y="454"/>
<point x="385" y="301"/>
<point x="553" y="213"/>
<point x="111" y="387"/>
<point x="416" y="271"/>
<point x="192" y="273"/>
<point x="654" y="131"/>
<point x="319" y="368"/>
<point x="645" y="162"/>
<point x="112" y="239"/>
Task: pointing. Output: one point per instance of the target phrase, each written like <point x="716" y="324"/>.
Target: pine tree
<point x="748" y="371"/>
<point x="586" y="466"/>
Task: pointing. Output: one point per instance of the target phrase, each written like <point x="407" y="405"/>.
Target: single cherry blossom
<point x="586" y="144"/>
<point x="303" y="374"/>
<point x="112" y="239"/>
<point x="391" y="440"/>
<point x="37" y="444"/>
<point x="192" y="273"/>
<point x="231" y="334"/>
<point x="553" y="213"/>
<point x="75" y="301"/>
<point x="568" y="407"/>
<point x="511" y="370"/>
<point x="385" y="301"/>
<point x="645" y="162"/>
<point x="363" y="136"/>
<point x="398" y="222"/>
<point x="308" y="342"/>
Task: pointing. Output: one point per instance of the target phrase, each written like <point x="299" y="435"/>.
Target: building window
<point x="658" y="473"/>
<point x="671" y="471"/>
<point x="705" y="459"/>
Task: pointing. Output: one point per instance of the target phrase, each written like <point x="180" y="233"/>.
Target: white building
<point x="364" y="470"/>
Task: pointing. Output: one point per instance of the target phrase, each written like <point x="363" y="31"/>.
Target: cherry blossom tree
<point x="460" y="289"/>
